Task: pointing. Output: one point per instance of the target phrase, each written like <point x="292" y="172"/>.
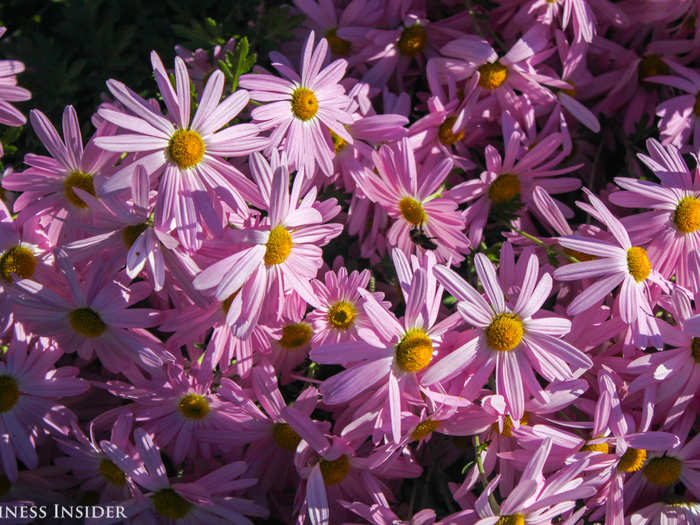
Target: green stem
<point x="540" y="242"/>
<point x="480" y="466"/>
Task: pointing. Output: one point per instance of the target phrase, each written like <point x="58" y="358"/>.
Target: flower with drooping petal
<point x="48" y="184"/>
<point x="185" y="152"/>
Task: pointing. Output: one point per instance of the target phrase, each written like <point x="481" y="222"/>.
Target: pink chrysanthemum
<point x="186" y="153"/>
<point x="415" y="201"/>
<point x="29" y="389"/>
<point x="48" y="184"/>
<point x="303" y="109"/>
<point x="672" y="227"/>
<point x="512" y="338"/>
<point x="92" y="314"/>
<point x="284" y="251"/>
<point x="614" y="263"/>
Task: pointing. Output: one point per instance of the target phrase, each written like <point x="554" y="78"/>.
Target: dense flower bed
<point x="419" y="269"/>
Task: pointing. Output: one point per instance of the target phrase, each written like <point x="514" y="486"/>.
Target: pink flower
<point x="206" y="500"/>
<point x="92" y="314"/>
<point x="511" y="337"/>
<point x="48" y="185"/>
<point x="186" y="154"/>
<point x="30" y="387"/>
<point x="672" y="226"/>
<point x="617" y="262"/>
<point x="303" y="110"/>
<point x="415" y="201"/>
<point x="283" y="251"/>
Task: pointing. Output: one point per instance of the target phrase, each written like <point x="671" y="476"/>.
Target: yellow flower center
<point x="696" y="106"/>
<point x="412" y="211"/>
<point x="512" y="519"/>
<point x="193" y="406"/>
<point x="580" y="256"/>
<point x="339" y="47"/>
<point x="87" y="322"/>
<point x="341" y="315"/>
<point x="226" y="303"/>
<point x="278" y="246"/>
<point x="170" y="504"/>
<point x="186" y="148"/>
<point x="651" y="66"/>
<point x="415" y="351"/>
<point x="131" y="233"/>
<point x="17" y="260"/>
<point x="295" y="336"/>
<point x="5" y="485"/>
<point x="492" y="76"/>
<point x="569" y="91"/>
<point x="638" y="263"/>
<point x="304" y="104"/>
<point x="687" y="215"/>
<point x="9" y="393"/>
<point x="445" y="133"/>
<point x="424" y="429"/>
<point x="338" y="142"/>
<point x="335" y="471"/>
<point x="504" y="188"/>
<point x="413" y="40"/>
<point x="505" y="332"/>
<point x="285" y="436"/>
<point x="78" y="179"/>
<point x="663" y="471"/>
<point x="508" y="425"/>
<point x="596" y="447"/>
<point x="112" y="473"/>
<point x="695" y="349"/>
<point x="632" y="460"/>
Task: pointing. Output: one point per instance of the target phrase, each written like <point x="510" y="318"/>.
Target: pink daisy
<point x="303" y="110"/>
<point x="509" y="181"/>
<point x="187" y="154"/>
<point x="29" y="389"/>
<point x="512" y="338"/>
<point x="339" y="316"/>
<point x="615" y="263"/>
<point x="48" y="184"/>
<point x="283" y="251"/>
<point x="393" y="352"/>
<point x="672" y="227"/>
<point x="174" y="408"/>
<point x="92" y="314"/>
<point x="415" y="201"/>
<point x="11" y="92"/>
<point x="206" y="500"/>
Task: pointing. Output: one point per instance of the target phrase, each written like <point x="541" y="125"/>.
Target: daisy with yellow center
<point x="303" y="109"/>
<point x="670" y="219"/>
<point x="505" y="331"/>
<point x="400" y="351"/>
<point x="282" y="253"/>
<point x="186" y="151"/>
<point x="66" y="180"/>
<point x="617" y="263"/>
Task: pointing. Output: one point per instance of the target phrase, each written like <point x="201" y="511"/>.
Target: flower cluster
<point x="397" y="274"/>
